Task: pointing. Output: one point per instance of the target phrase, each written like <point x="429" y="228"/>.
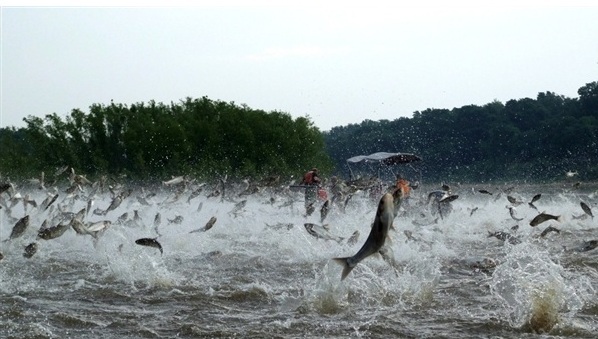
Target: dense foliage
<point x="526" y="139"/>
<point x="197" y="137"/>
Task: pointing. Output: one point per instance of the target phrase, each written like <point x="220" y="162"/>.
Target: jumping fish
<point x="548" y="230"/>
<point x="542" y="217"/>
<point x="114" y="204"/>
<point x="208" y="225"/>
<point x="238" y="207"/>
<point x="586" y="209"/>
<point x="321" y="232"/>
<point x="19" y="228"/>
<point x="514" y="201"/>
<point x="449" y="198"/>
<point x="157" y="221"/>
<point x="174" y="181"/>
<point x="53" y="232"/>
<point x="30" y="250"/>
<point x="324" y="210"/>
<point x="277" y="226"/>
<point x="48" y="201"/>
<point x="177" y="220"/>
<point x="587" y="246"/>
<point x="504" y="236"/>
<point x="512" y="213"/>
<point x="151" y="242"/>
<point x="377" y="237"/>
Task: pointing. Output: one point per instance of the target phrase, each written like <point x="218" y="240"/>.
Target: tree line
<point x="525" y="139"/>
<point x="197" y="137"/>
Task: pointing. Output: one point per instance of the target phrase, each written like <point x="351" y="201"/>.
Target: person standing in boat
<point x="405" y="186"/>
<point x="312" y="181"/>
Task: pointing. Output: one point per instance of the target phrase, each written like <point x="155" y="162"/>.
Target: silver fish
<point x="321" y="232"/>
<point x="281" y="225"/>
<point x="30" y="250"/>
<point x="19" y="228"/>
<point x="548" y="230"/>
<point x="53" y="232"/>
<point x="48" y="201"/>
<point x="151" y="242"/>
<point x="157" y="221"/>
<point x="377" y="236"/>
<point x="542" y="217"/>
<point x="586" y="209"/>
<point x="504" y="236"/>
<point x="114" y="204"/>
<point x="449" y="198"/>
<point x="78" y="226"/>
<point x="324" y="210"/>
<point x="177" y="220"/>
<point x="123" y="217"/>
<point x="238" y="206"/>
<point x="587" y="246"/>
<point x="514" y="201"/>
<point x="208" y="225"/>
<point x="89" y="205"/>
<point x="174" y="181"/>
<point x="512" y="213"/>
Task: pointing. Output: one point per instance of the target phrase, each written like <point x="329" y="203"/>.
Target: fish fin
<point x="559" y="218"/>
<point x="346" y="268"/>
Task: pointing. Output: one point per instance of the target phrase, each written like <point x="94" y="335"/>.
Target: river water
<point x="258" y="272"/>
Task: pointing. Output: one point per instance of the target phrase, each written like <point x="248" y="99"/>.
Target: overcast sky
<point x="337" y="64"/>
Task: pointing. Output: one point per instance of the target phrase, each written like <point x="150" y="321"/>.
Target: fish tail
<point x="346" y="267"/>
<point x="559" y="218"/>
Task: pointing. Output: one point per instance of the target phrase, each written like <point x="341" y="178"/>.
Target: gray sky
<point x="337" y="64"/>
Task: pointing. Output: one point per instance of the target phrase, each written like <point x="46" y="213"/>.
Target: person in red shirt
<point x="405" y="186"/>
<point x="312" y="181"/>
<point x="311" y="177"/>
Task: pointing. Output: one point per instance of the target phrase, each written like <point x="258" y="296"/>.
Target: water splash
<point x="536" y="292"/>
